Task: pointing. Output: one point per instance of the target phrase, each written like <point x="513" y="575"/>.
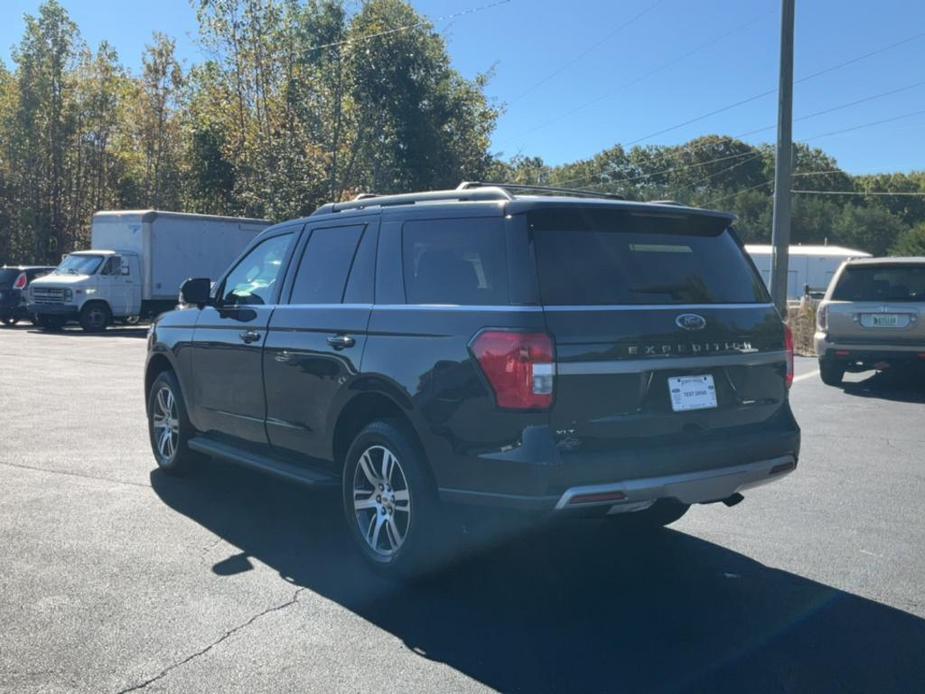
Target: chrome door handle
<point x="249" y="336"/>
<point x="341" y="341"/>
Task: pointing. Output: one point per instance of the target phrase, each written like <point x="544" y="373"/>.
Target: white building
<point x="812" y="265"/>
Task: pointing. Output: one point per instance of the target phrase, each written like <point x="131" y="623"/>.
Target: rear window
<point x="881" y="283"/>
<point x="455" y="262"/>
<point x="594" y="257"/>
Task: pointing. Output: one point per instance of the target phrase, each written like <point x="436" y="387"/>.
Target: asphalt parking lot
<point x="115" y="578"/>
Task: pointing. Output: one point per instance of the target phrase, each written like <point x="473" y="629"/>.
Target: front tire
<point x="95" y="317"/>
<point x="9" y="321"/>
<point x="169" y="428"/>
<point x="831" y="373"/>
<point x="390" y="502"/>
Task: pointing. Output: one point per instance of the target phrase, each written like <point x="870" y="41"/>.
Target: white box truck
<point x="136" y="263"/>
<point x="811" y="266"/>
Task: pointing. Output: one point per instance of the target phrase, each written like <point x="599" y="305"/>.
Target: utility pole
<point x="783" y="169"/>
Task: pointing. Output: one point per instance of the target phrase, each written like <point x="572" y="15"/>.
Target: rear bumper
<point x="540" y="477"/>
<point x="691" y="488"/>
<point x="828" y="348"/>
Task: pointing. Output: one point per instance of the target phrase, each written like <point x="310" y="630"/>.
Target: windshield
<point x="79" y="265"/>
<point x="594" y="257"/>
<point x="881" y="283"/>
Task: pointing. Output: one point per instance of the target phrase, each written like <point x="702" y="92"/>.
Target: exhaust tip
<point x="733" y="499"/>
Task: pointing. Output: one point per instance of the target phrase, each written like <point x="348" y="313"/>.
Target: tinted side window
<point x="324" y="266"/>
<point x="254" y="278"/>
<point x="455" y="261"/>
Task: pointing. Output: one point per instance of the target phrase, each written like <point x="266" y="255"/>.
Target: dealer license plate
<point x="692" y="393"/>
<point x="884" y="320"/>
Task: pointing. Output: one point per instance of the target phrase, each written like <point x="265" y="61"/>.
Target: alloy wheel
<point x="166" y="423"/>
<point x="381" y="500"/>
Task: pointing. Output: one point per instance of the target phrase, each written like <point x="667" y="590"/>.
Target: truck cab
<point x="93" y="287"/>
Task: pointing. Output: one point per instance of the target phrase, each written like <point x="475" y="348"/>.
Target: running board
<point x="291" y="471"/>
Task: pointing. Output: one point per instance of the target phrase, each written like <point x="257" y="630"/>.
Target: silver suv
<point x="872" y="317"/>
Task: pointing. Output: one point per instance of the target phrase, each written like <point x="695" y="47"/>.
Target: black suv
<point x="549" y="353"/>
<point x="13" y="281"/>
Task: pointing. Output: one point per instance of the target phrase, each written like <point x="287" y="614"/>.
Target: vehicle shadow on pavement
<point x="134" y="332"/>
<point x="883" y="385"/>
<point x="577" y="609"/>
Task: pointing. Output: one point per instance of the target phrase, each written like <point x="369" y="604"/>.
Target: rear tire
<point x="95" y="317"/>
<point x="831" y="373"/>
<point x="390" y="503"/>
<point x="9" y="321"/>
<point x="169" y="428"/>
<point x="663" y="512"/>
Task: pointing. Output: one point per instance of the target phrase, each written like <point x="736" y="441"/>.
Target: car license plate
<point x="884" y="320"/>
<point x="692" y="392"/>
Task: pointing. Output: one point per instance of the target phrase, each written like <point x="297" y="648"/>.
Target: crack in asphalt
<point x="98" y="478"/>
<point x="228" y="634"/>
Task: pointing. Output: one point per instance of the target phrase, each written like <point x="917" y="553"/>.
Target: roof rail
<point x="363" y="201"/>
<point x="576" y="192"/>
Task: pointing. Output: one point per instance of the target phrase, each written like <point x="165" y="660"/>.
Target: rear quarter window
<point x="455" y="262"/>
<point x="601" y="257"/>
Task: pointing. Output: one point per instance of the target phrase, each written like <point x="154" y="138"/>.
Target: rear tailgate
<point x="664" y="332"/>
<point x="878" y="304"/>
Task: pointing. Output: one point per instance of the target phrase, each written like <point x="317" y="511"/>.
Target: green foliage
<point x="299" y="103"/>
<point x="911" y="242"/>
<point x="305" y="101"/>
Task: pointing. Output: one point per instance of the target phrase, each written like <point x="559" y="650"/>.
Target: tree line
<point x="296" y="103"/>
<point x="299" y="102"/>
<point x="725" y="173"/>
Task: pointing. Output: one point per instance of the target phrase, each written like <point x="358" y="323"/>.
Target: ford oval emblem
<point x="691" y="321"/>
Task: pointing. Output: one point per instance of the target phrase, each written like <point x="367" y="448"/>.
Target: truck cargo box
<point x="174" y="246"/>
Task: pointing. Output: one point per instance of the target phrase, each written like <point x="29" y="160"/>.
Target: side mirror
<point x="197" y="292"/>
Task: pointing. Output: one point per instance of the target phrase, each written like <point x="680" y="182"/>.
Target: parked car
<point x="872" y="317"/>
<point x="552" y="354"/>
<point x="137" y="261"/>
<point x="14" y="279"/>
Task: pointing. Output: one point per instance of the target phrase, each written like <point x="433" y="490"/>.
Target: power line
<point x="866" y="125"/>
<point x="863" y="193"/>
<point x="839" y="107"/>
<point x="664" y="66"/>
<point x="609" y="35"/>
<point x="409" y="27"/>
<point x="768" y="92"/>
<point x="680" y="167"/>
<point x="713" y="201"/>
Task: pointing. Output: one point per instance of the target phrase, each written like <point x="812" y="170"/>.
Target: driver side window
<point x="254" y="279"/>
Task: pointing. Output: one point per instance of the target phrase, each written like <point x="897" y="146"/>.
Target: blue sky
<point x="574" y="82"/>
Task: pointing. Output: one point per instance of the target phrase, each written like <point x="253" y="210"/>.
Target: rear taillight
<point x="520" y="367"/>
<point x="21" y="281"/>
<point x="788" y="346"/>
<point x="822" y="318"/>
